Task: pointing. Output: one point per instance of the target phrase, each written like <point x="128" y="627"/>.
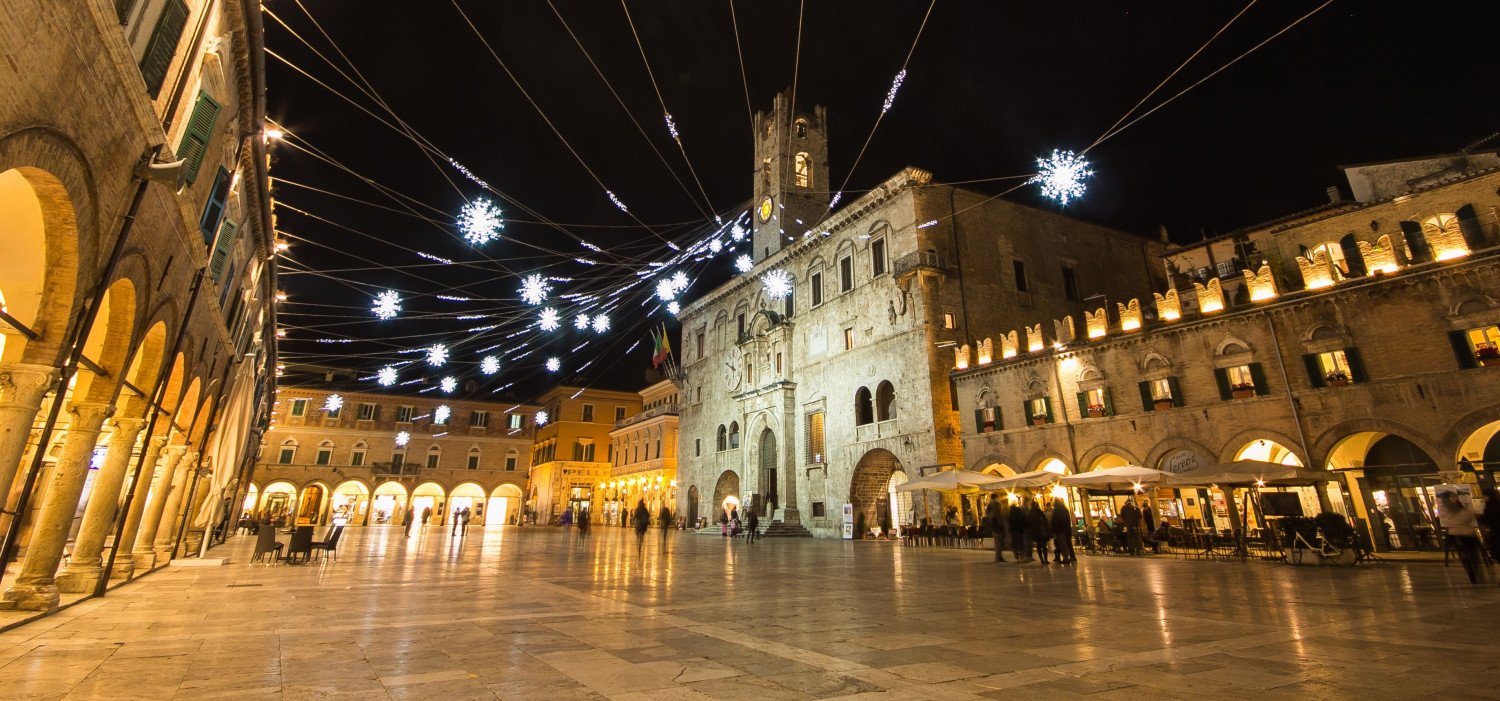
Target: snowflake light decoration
<point x="402" y="439"/>
<point x="673" y="308"/>
<point x="744" y="264"/>
<point x="387" y="304"/>
<point x="601" y="323"/>
<point x="489" y="365"/>
<point x="541" y="418"/>
<point x="386" y="376"/>
<point x="1062" y="176"/>
<point x="615" y="199"/>
<point x="672" y="127"/>
<point x="440" y="415"/>
<point x="534" y="289"/>
<point x="581" y="322"/>
<point x="679" y="281"/>
<point x="548" y="319"/>
<point x="480" y="221"/>
<point x="448" y="384"/>
<point x="737" y="233"/>
<point x="334" y="402"/>
<point x="437" y="354"/>
<point x="665" y="291"/>
<point x="553" y="365"/>
<point x="890" y="96"/>
<point x="777" y="283"/>
<point x="715" y="246"/>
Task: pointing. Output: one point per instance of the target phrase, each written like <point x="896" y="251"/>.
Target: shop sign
<point x="1180" y="460"/>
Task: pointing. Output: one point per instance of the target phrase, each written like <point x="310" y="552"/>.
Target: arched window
<point x="434" y="456"/>
<point x="1354" y="261"/>
<point x="734" y="435"/>
<point x="357" y="457"/>
<point x="801" y="128"/>
<point x="474" y="458"/>
<point x="864" y="407"/>
<point x="802" y="170"/>
<point x="1416" y="242"/>
<point x="885" y="401"/>
<point x="325" y="452"/>
<point x="723" y="443"/>
<point x="288" y="452"/>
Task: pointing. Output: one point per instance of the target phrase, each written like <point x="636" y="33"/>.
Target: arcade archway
<point x="869" y="489"/>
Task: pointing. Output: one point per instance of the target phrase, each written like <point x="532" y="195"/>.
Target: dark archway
<point x="1353" y="259"/>
<point x="1399" y="490"/>
<point x="885" y="401"/>
<point x="869" y="488"/>
<point x="692" y="506"/>
<point x="864" y="407"/>
<point x="766" y="497"/>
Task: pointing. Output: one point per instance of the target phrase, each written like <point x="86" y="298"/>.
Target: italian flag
<point x="662" y="347"/>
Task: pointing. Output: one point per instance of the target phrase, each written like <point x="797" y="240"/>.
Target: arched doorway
<point x="310" y="505"/>
<point x="276" y="501"/>
<point x="469" y="496"/>
<point x="727" y="492"/>
<point x="766" y="497"/>
<point x="389" y="504"/>
<point x="504" y="505"/>
<point x="692" y="506"/>
<point x="351" y="504"/>
<point x="252" y="497"/>
<point x="869" y="489"/>
<point x="1396" y="485"/>
<point x="427" y="502"/>
<point x="1266" y="450"/>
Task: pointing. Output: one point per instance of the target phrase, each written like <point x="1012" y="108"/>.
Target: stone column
<point x="22" y="386"/>
<point x="150" y="474"/>
<point x="85" y="564"/>
<point x="145" y="538"/>
<point x="166" y="530"/>
<point x="35" y="588"/>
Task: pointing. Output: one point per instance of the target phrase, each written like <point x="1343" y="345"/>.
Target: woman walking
<point x="1462" y="526"/>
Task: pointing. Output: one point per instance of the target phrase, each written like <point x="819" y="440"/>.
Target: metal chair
<point x="329" y="546"/>
<point x="265" y="542"/>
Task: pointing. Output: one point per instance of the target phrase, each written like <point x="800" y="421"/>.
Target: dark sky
<point x="991" y="86"/>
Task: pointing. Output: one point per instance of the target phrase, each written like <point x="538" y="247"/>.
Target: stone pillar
<point x="182" y="477"/>
<point x="145" y="538"/>
<point x="85" y="564"/>
<point x="22" y="386"/>
<point x="150" y="474"/>
<point x="35" y="588"/>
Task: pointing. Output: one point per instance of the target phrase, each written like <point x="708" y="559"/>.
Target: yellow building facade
<point x="643" y="466"/>
<point x="571" y="453"/>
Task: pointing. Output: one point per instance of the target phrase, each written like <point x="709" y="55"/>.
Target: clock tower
<point x="791" y="174"/>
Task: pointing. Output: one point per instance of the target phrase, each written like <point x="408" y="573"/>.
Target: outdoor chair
<point x="329" y="546"/>
<point x="301" y="545"/>
<point x="265" y="542"/>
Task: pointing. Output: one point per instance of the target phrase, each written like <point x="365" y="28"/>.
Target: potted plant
<point x="1336" y="378"/>
<point x="1096" y="411"/>
<point x="1038" y="419"/>
<point x="1163" y="403"/>
<point x="1487" y="354"/>
<point x="1242" y="390"/>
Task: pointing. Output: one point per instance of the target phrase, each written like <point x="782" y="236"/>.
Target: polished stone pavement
<point x="523" y="614"/>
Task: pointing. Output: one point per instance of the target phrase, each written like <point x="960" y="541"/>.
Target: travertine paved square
<point x="530" y="614"/>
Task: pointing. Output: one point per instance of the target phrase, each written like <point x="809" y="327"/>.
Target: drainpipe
<point x="77" y="338"/>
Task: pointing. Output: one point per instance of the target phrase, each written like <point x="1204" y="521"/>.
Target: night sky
<point x="990" y="87"/>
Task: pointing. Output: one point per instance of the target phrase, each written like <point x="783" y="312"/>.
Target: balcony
<point x="663" y="410"/>
<point x="920" y="260"/>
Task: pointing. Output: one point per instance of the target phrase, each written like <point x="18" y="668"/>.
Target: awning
<point x="1247" y="473"/>
<point x="1025" y="480"/>
<point x="1126" y="478"/>
<point x="950" y="480"/>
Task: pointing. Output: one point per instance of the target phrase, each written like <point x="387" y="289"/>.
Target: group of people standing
<point x="1028" y="528"/>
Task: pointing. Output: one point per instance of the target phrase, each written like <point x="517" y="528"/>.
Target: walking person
<point x="566" y="521"/>
<point x="1462" y="526"/>
<point x="1062" y="533"/>
<point x="754" y="524"/>
<point x="426" y="515"/>
<point x="584" y="524"/>
<point x="995" y="524"/>
<point x="463" y="527"/>
<point x="1015" y="518"/>
<point x="1037" y="530"/>
<point x="409" y="519"/>
<point x="642" y="520"/>
<point x="458" y="517"/>
<point x="664" y="519"/>
<point x="1490" y="519"/>
<point x="1130" y="516"/>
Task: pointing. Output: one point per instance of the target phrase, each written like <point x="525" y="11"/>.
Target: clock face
<point x="766" y="205"/>
<point x="732" y="360"/>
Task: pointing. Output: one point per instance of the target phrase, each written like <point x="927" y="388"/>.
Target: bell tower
<point x="791" y="174"/>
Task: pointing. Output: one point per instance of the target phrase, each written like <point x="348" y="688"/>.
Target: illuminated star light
<point x="601" y="323"/>
<point x="665" y="290"/>
<point x="541" y="418"/>
<point x="679" y="281"/>
<point x="534" y="289"/>
<point x="778" y="283"/>
<point x="744" y="264"/>
<point x="548" y="319"/>
<point x="402" y="439"/>
<point x="480" y="221"/>
<point x="890" y="96"/>
<point x="440" y="415"/>
<point x="386" y="376"/>
<point x="387" y="304"/>
<point x="1062" y="176"/>
<point x="437" y="354"/>
<point x="553" y="365"/>
<point x="737" y="233"/>
<point x="581" y="322"/>
<point x="489" y="365"/>
<point x="673" y="308"/>
<point x="715" y="246"/>
<point x="448" y="384"/>
<point x="334" y="402"/>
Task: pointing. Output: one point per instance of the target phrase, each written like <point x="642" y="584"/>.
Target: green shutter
<point x="1109" y="403"/>
<point x="1461" y="350"/>
<point x="1177" y="399"/>
<point x="999" y="419"/>
<point x="979" y="421"/>
<point x="1314" y="371"/>
<point x="1146" y="402"/>
<point x="228" y="231"/>
<point x="1047" y="404"/>
<point x="1356" y="366"/>
<point x="197" y="135"/>
<point x="1258" y="376"/>
<point x="1221" y="378"/>
<point x="213" y="210"/>
<point x="1083" y="404"/>
<point x="1025" y="413"/>
<point x="163" y="45"/>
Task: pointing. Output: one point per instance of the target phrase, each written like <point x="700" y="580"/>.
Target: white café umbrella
<point x="949" y="481"/>
<point x="1126" y="478"/>
<point x="1025" y="480"/>
<point x="1245" y="473"/>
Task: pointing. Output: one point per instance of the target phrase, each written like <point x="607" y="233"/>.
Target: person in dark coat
<point x="1130" y="517"/>
<point x="753" y="526"/>
<point x="1062" y="533"/>
<point x="995" y="524"/>
<point x="1490" y="520"/>
<point x="411" y="517"/>
<point x="664" y="517"/>
<point x="1015" y="518"/>
<point x="1037" y="530"/>
<point x="642" y="520"/>
<point x="426" y="514"/>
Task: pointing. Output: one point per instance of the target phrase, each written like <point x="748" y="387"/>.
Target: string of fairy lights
<point x="567" y="301"/>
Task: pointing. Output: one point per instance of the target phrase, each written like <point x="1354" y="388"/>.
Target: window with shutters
<point x="588" y="412"/>
<point x="226" y="287"/>
<point x="877" y="257"/>
<point x="332" y="413"/>
<point x="515" y="421"/>
<point x="986" y="419"/>
<point x="480" y="419"/>
<point x="1334" y="368"/>
<point x="1476" y="347"/>
<point x="434" y="457"/>
<point x="157" y="59"/>
<point x="299" y="407"/>
<point x="325" y="453"/>
<point x="366" y="411"/>
<point x="1095" y="403"/>
<point x="1162" y="393"/>
<point x="1241" y="381"/>
<point x="846" y="274"/>
<point x="510" y="460"/>
<point x="1039" y="410"/>
<point x="816" y="282"/>
<point x="288" y="452"/>
<point x="403" y="414"/>
<point x="198" y="135"/>
<point x="223" y="247"/>
<point x="815" y="450"/>
<point x="473" y="459"/>
<point x="213" y="210"/>
<point x="357" y="456"/>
